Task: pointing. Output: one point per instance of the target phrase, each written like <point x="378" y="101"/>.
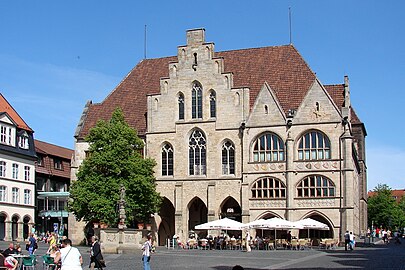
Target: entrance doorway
<point x="197" y="213"/>
<point x="166" y="227"/>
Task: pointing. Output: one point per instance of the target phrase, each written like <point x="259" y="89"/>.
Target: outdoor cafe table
<point x="19" y="258"/>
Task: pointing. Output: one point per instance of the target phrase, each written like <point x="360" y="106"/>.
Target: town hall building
<point x="244" y="134"/>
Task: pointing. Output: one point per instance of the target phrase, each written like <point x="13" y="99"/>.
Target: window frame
<point x="268" y="188"/>
<point x="314" y="145"/>
<point x="15" y="171"/>
<point x="197" y="101"/>
<point x="228" y="158"/>
<point x="27" y="173"/>
<point x="3" y="167"/>
<point x="213" y="104"/>
<point x="197" y="153"/>
<point x="3" y="193"/>
<point x="313" y="185"/>
<point x="262" y="153"/>
<point x="15" y="195"/>
<point x="181" y="106"/>
<point x="27" y="196"/>
<point x="167" y="168"/>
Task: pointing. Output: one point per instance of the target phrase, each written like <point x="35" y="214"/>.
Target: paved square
<point x="389" y="256"/>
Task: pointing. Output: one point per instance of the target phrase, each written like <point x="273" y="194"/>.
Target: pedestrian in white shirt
<point x="69" y="256"/>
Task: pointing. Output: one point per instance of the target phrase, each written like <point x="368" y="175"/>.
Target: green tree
<point x="383" y="209"/>
<point x="114" y="159"/>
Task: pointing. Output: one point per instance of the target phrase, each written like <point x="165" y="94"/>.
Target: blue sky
<point x="56" y="55"/>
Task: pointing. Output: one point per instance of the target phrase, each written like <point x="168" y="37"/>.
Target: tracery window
<point x="196" y="101"/>
<point x="181" y="106"/>
<point x="197" y="153"/>
<point x="268" y="147"/>
<point x="316" y="186"/>
<point x="314" y="145"/>
<point x="213" y="104"/>
<point x="228" y="158"/>
<point x="167" y="160"/>
<point x="268" y="188"/>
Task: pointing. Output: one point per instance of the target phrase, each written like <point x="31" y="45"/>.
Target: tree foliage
<point x="114" y="159"/>
<point x="384" y="211"/>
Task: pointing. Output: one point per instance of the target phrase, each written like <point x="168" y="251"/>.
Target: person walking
<point x="69" y="256"/>
<point x="352" y="240"/>
<point x="248" y="238"/>
<point x="147" y="250"/>
<point x="347" y="240"/>
<point x="32" y="245"/>
<point x="96" y="258"/>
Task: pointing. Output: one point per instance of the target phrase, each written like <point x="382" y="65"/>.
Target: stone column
<point x="211" y="201"/>
<point x="245" y="202"/>
<point x="20" y="230"/>
<point x="347" y="188"/>
<point x="7" y="235"/>
<point x="289" y="155"/>
<point x="178" y="208"/>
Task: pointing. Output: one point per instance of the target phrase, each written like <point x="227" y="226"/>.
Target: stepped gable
<point x="337" y="92"/>
<point x="282" y="67"/>
<point x="7" y="108"/>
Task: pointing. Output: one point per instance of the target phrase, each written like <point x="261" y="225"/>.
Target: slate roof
<point x="282" y="67"/>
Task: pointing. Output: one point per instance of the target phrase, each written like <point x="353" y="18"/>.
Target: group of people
<point x="65" y="256"/>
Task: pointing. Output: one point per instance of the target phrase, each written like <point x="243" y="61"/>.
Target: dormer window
<point x="6" y="135"/>
<point x="23" y="141"/>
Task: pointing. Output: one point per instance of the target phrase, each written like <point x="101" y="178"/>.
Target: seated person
<point x="53" y="251"/>
<point x="10" y="250"/>
<point x="10" y="262"/>
<point x="18" y="249"/>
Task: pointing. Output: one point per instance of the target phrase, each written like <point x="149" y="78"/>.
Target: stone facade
<point x="285" y="108"/>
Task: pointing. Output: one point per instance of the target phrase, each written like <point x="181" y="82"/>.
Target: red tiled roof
<point x="53" y="150"/>
<point x="50" y="152"/>
<point x="396" y="193"/>
<point x="7" y="108"/>
<point x="282" y="67"/>
<point x="337" y="93"/>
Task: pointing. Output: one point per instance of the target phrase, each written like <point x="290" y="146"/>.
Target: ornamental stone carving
<point x="317" y="165"/>
<point x="265" y="167"/>
<point x="313" y="203"/>
<point x="267" y="204"/>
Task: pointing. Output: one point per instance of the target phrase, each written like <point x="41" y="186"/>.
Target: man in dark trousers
<point x="347" y="240"/>
<point x="96" y="258"/>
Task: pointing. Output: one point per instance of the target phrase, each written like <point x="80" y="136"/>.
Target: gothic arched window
<point x="197" y="153"/>
<point x="167" y="160"/>
<point x="213" y="104"/>
<point x="196" y="102"/>
<point x="268" y="147"/>
<point x="314" y="145"/>
<point x="228" y="158"/>
<point x="181" y="106"/>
